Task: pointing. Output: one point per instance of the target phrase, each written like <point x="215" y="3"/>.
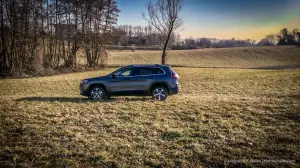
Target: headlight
<point x="84" y="81"/>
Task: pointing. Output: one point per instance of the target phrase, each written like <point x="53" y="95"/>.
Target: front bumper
<point x="83" y="93"/>
<point x="83" y="90"/>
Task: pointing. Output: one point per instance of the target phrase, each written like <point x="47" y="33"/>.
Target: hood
<point x="96" y="78"/>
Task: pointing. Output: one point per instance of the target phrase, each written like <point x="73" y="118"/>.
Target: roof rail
<point x="144" y="65"/>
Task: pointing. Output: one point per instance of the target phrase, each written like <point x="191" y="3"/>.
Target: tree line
<point x="146" y="35"/>
<point x="39" y="34"/>
<point x="190" y="43"/>
<point x="49" y="33"/>
<point x="142" y="35"/>
<point x="284" y="37"/>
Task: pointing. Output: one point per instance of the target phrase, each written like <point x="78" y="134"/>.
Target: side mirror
<point x="114" y="76"/>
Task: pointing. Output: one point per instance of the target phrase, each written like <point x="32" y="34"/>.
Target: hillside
<point x="246" y="57"/>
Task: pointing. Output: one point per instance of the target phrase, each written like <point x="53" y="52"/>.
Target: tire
<point x="159" y="93"/>
<point x="97" y="93"/>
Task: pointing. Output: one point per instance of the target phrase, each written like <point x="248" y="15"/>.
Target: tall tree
<point x="99" y="20"/>
<point x="271" y="39"/>
<point x="298" y="35"/>
<point x="50" y="32"/>
<point x="287" y="38"/>
<point x="295" y="34"/>
<point x="3" y="43"/>
<point x="164" y="17"/>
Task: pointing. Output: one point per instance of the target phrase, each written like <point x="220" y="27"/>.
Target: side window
<point x="145" y="71"/>
<point x="125" y="72"/>
<point x="149" y="71"/>
<point x="157" y="71"/>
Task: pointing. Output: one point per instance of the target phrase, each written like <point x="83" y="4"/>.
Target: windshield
<point x="116" y="71"/>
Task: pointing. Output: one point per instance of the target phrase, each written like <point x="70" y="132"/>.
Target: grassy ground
<point x="245" y="57"/>
<point x="220" y="115"/>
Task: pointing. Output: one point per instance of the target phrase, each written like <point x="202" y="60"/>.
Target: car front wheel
<point x="160" y="93"/>
<point x="97" y="93"/>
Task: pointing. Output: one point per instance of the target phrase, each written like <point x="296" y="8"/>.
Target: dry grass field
<point x="220" y="115"/>
<point x="248" y="57"/>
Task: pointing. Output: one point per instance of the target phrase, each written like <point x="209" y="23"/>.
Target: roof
<point x="145" y="65"/>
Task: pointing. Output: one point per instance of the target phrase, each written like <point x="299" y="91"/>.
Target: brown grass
<point x="247" y="57"/>
<point x="221" y="114"/>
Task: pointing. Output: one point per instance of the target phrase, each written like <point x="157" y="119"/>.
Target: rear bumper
<point x="174" y="90"/>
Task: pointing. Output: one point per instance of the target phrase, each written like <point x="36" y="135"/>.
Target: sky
<point x="224" y="19"/>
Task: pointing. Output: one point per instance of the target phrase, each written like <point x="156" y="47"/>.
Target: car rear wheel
<point x="97" y="93"/>
<point x="159" y="93"/>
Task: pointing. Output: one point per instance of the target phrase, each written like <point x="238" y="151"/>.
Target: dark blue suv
<point x="157" y="81"/>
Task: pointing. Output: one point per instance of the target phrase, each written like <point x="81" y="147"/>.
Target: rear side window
<point x="145" y="71"/>
<point x="149" y="71"/>
<point x="157" y="71"/>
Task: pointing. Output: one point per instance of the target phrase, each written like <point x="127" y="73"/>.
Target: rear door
<point x="146" y="76"/>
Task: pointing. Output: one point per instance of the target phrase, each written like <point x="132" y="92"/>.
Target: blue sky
<point x="224" y="18"/>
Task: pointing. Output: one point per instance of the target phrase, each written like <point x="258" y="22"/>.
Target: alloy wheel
<point x="159" y="94"/>
<point x="97" y="93"/>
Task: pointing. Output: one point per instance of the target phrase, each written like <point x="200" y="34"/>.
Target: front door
<point x="124" y="82"/>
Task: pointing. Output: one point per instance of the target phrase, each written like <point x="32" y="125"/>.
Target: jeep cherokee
<point x="157" y="81"/>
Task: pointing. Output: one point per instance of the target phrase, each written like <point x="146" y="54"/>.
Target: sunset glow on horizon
<point x="247" y="19"/>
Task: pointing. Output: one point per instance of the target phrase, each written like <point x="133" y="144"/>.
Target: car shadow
<point x="83" y="100"/>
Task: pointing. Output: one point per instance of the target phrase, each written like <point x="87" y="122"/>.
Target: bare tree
<point x="37" y="34"/>
<point x="99" y="21"/>
<point x="164" y="17"/>
<point x="139" y="35"/>
<point x="271" y="39"/>
<point x="286" y="37"/>
<point x="298" y="35"/>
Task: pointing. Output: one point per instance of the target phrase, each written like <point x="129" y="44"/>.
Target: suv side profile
<point x="157" y="81"/>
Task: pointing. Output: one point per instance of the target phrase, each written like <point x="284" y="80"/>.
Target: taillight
<point x="174" y="74"/>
